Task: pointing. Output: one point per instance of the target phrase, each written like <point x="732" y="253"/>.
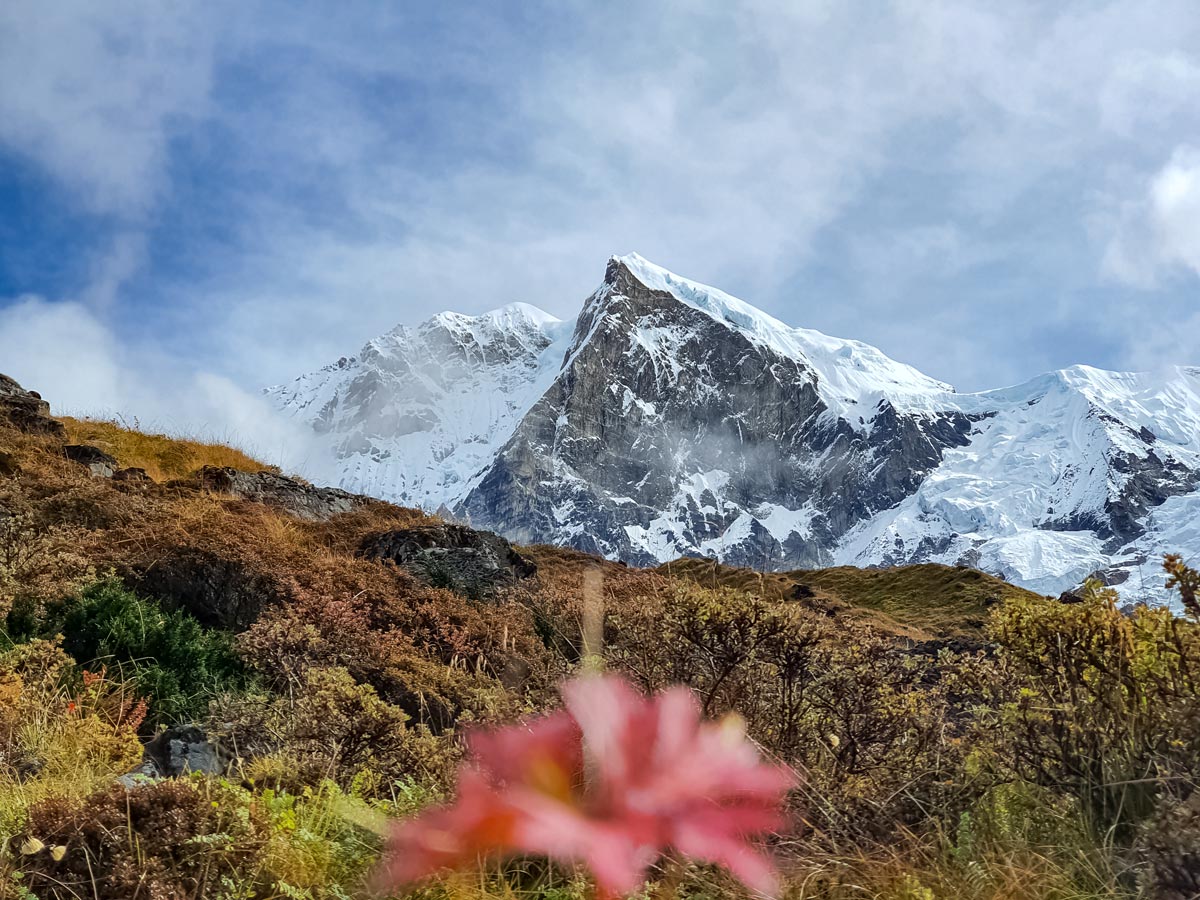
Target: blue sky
<point x="201" y="201"/>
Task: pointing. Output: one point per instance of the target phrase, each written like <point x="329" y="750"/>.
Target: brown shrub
<point x="377" y="643"/>
<point x="168" y="840"/>
<point x="875" y="730"/>
<point x="332" y="727"/>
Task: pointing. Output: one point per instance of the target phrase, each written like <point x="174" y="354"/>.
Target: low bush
<point x="168" y="657"/>
<point x="330" y="727"/>
<point x="60" y="736"/>
<point x="198" y="838"/>
<point x="1097" y="705"/>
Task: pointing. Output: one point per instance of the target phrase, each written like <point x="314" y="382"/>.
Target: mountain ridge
<point x="670" y="419"/>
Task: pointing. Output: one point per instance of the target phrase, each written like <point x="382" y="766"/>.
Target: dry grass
<point x="162" y="456"/>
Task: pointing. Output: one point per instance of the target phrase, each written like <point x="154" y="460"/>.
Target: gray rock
<point x="300" y="499"/>
<point x="470" y="562"/>
<point x="27" y="410"/>
<point x="99" y="463"/>
<point x="145" y="773"/>
<point x="185" y="748"/>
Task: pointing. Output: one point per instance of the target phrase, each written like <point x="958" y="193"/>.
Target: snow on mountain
<point x="672" y="419"/>
<point x="421" y="410"/>
<point x="851" y="376"/>
<point x="1056" y="483"/>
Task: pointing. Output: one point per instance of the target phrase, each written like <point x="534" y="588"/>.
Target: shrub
<point x="874" y="728"/>
<point x="1095" y="704"/>
<point x="166" y="839"/>
<point x="173" y="661"/>
<point x="199" y="837"/>
<point x="332" y="727"/>
<point x="39" y="563"/>
<point x="59" y="738"/>
<point x="371" y="636"/>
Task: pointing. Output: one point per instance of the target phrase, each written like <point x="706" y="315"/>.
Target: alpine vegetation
<point x="236" y="684"/>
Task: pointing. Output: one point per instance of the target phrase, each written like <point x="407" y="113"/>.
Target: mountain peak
<point x="511" y="315"/>
<point x="852" y="376"/>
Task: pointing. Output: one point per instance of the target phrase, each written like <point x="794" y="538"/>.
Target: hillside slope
<point x="233" y="679"/>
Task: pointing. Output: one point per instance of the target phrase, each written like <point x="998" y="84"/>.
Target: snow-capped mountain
<point x="672" y="419"/>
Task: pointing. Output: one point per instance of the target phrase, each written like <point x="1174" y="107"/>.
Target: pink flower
<point x="612" y="781"/>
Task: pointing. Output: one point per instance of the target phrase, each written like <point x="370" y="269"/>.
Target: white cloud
<point x="67" y="354"/>
<point x="62" y="351"/>
<point x="92" y="91"/>
<point x="1157" y="233"/>
<point x="722" y="140"/>
<point x="1175" y="208"/>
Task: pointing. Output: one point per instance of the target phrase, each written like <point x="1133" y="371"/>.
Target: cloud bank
<point x="90" y="372"/>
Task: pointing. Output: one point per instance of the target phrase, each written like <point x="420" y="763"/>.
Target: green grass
<point x="919" y="601"/>
<point x="943" y="599"/>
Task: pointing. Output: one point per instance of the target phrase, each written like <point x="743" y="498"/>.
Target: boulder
<point x="185" y="748"/>
<point x="469" y="562"/>
<point x="300" y="499"/>
<point x="99" y="463"/>
<point x="26" y="410"/>
<point x="177" y="751"/>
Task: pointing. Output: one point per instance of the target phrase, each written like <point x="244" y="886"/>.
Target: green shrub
<point x="1097" y="705"/>
<point x="172" y="660"/>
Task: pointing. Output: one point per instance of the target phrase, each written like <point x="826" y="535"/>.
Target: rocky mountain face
<point x="671" y="419"/>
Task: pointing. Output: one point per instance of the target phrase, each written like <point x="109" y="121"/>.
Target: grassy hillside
<point x="1057" y="762"/>
<point x="921" y="601"/>
<point x="162" y="456"/>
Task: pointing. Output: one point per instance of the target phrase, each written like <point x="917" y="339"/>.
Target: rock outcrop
<point x="470" y="562"/>
<point x="300" y="499"/>
<point x="219" y="592"/>
<point x="27" y="410"/>
<point x="99" y="463"/>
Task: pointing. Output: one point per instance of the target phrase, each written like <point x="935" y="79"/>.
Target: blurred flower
<point x="612" y="781"/>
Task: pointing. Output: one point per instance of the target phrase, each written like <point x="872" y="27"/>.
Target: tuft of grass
<point x="58" y="740"/>
<point x="163" y="456"/>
